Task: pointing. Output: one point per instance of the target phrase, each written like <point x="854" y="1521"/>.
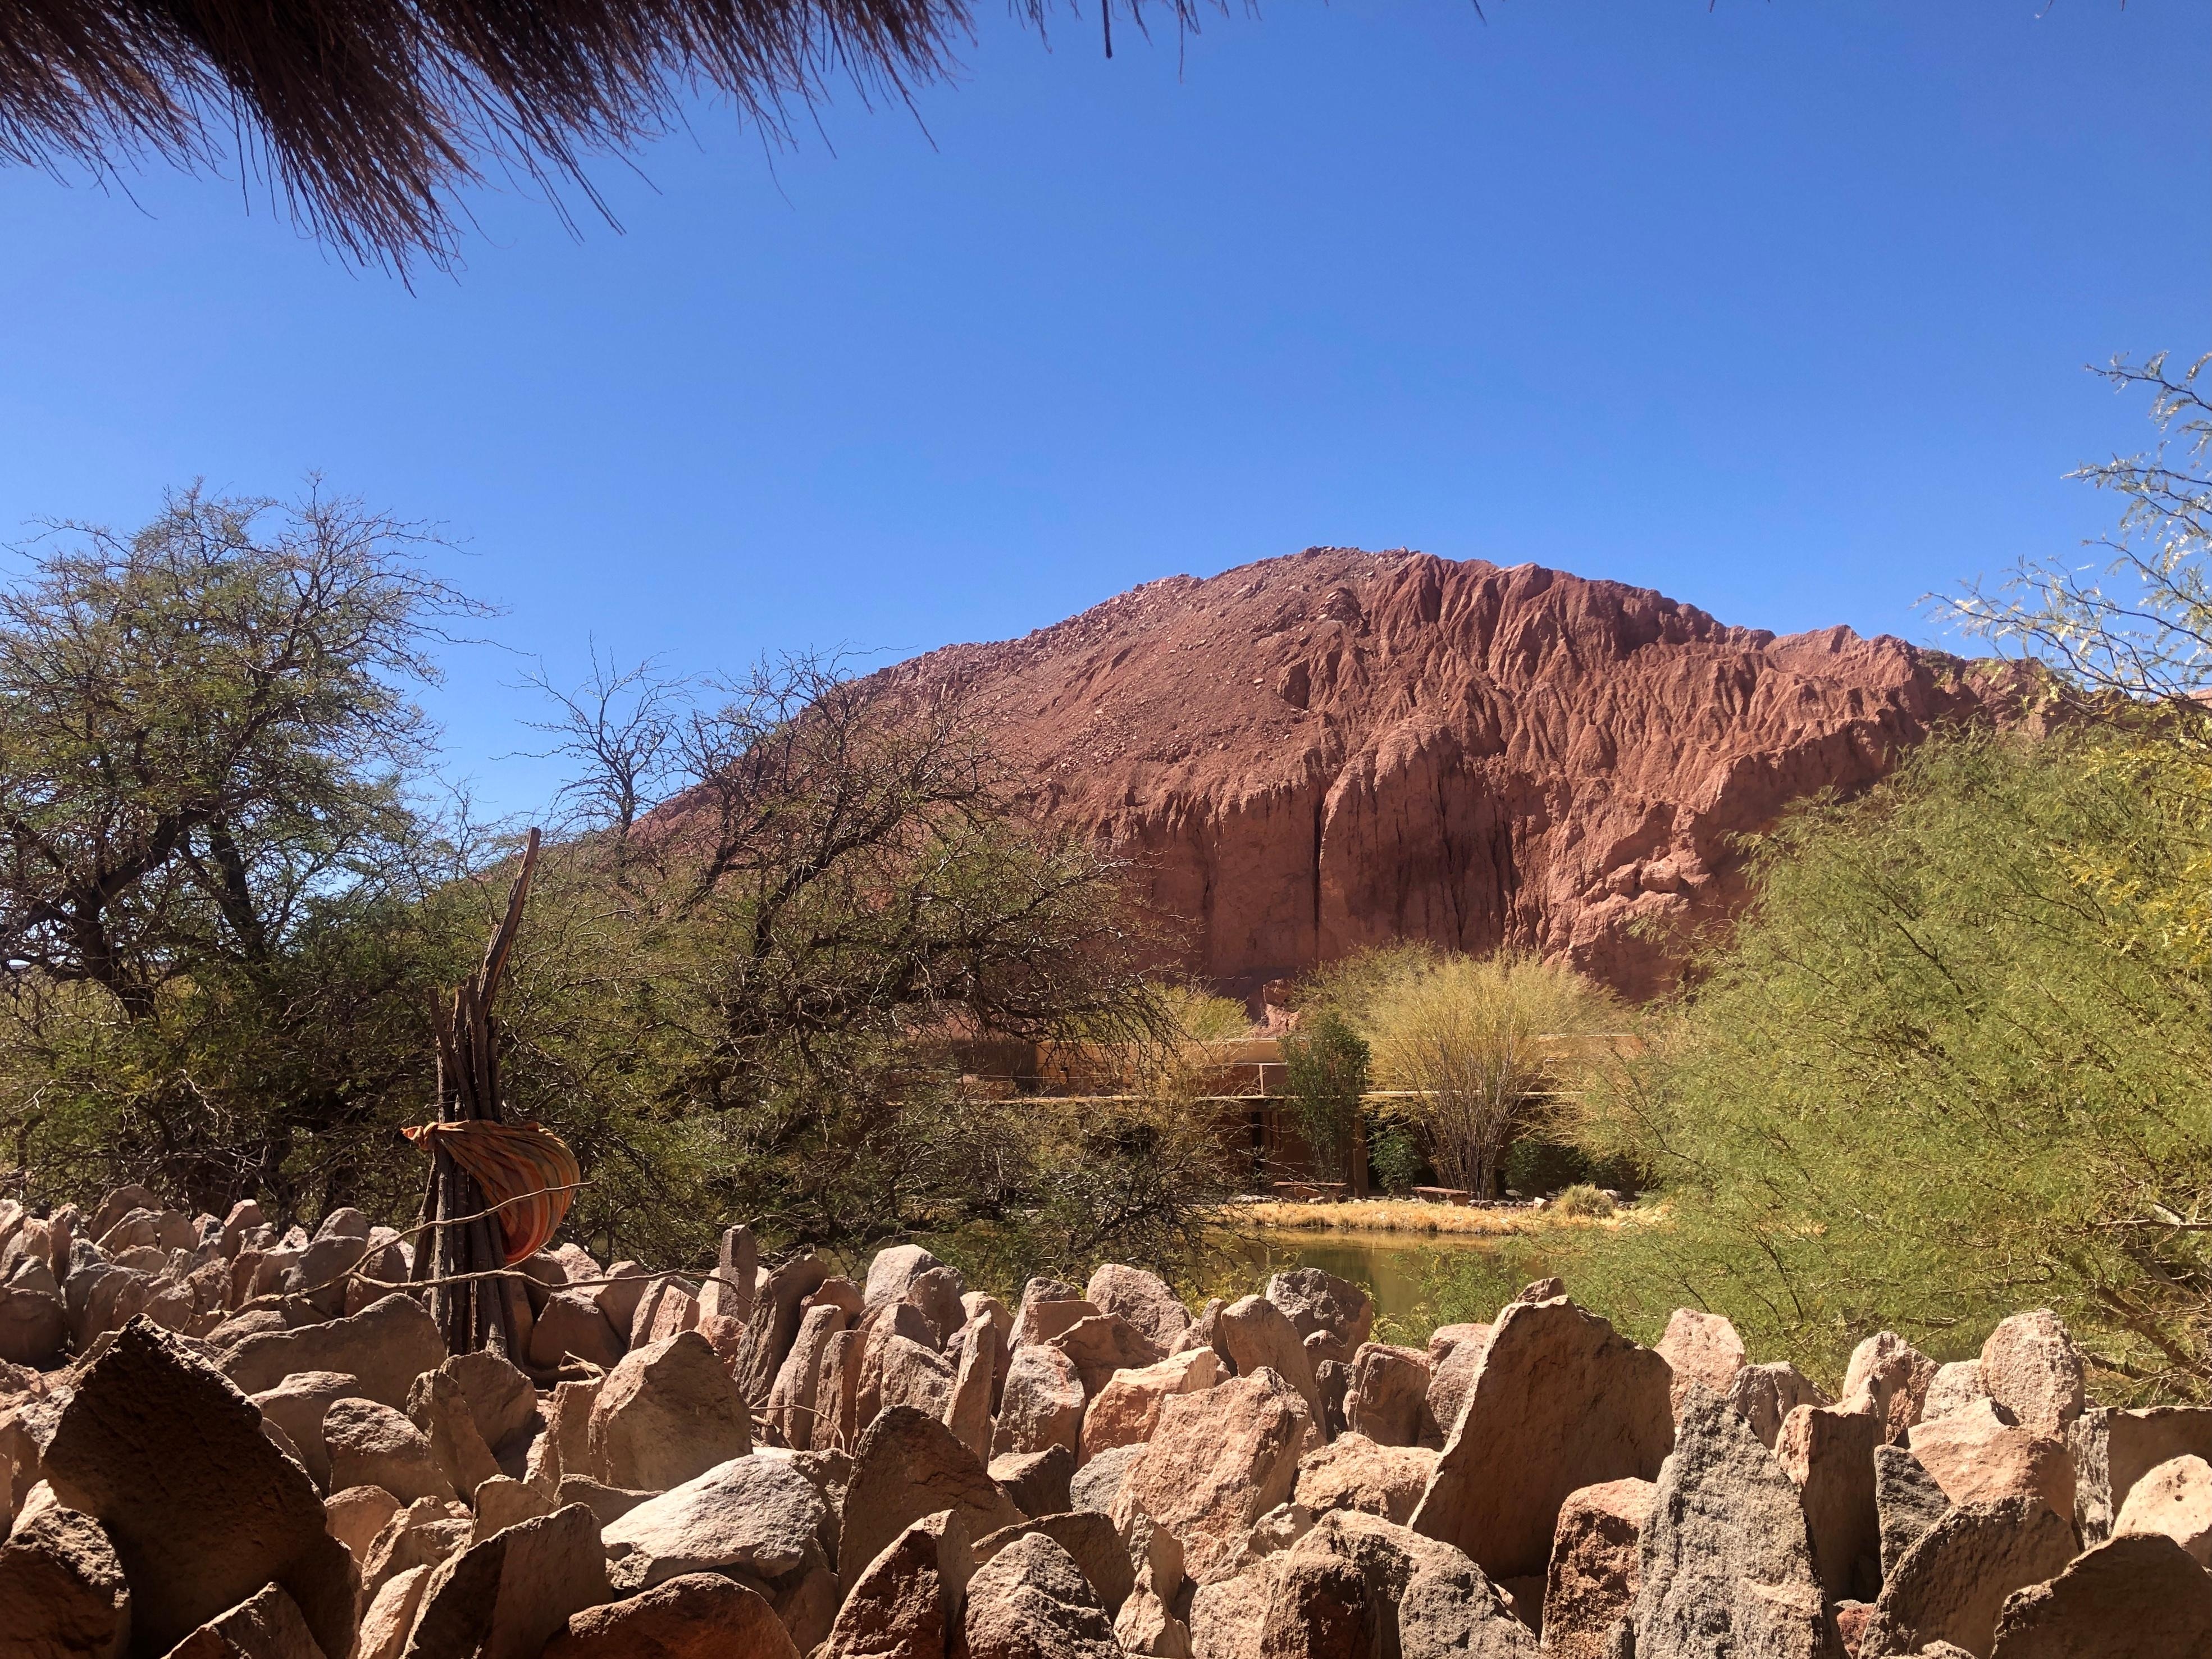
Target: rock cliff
<point x="1321" y="753"/>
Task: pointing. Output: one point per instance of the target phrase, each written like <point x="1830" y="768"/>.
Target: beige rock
<point x="1091" y="1543"/>
<point x="729" y="1293"/>
<point x="423" y="1534"/>
<point x="1765" y="1394"/>
<point x="1892" y="1378"/>
<point x="502" y="1401"/>
<point x="1103" y="1344"/>
<point x="390" y="1615"/>
<point x="1218" y="1460"/>
<point x="779" y="1304"/>
<point x="296" y="1405"/>
<point x="908" y="1465"/>
<point x="1558" y="1402"/>
<point x="1829" y="1453"/>
<point x="877" y="1327"/>
<point x="1354" y="1472"/>
<point x="565" y="1446"/>
<point x="618" y="1299"/>
<point x="169" y="1458"/>
<point x="2136" y="1596"/>
<point x="666" y="1308"/>
<point x="1976" y="1457"/>
<point x="1949" y="1586"/>
<point x="2030" y="1367"/>
<point x="1228" y="1615"/>
<point x="1445" y="1338"/>
<point x="1042" y="1402"/>
<point x="1319" y="1303"/>
<point x="355" y="1514"/>
<point x="969" y="1412"/>
<point x="372" y="1445"/>
<point x="1042" y="1320"/>
<point x="1957" y="1385"/>
<point x="669" y="1412"/>
<point x="1038" y="1291"/>
<point x="791" y="1399"/>
<point x="2174" y="1500"/>
<point x="1354" y="1579"/>
<point x="1595" y="1573"/>
<point x="837" y="1394"/>
<point x="891" y="1270"/>
<point x="1038" y="1482"/>
<point x="508" y="1596"/>
<point x="936" y="1292"/>
<point x="61" y="1589"/>
<point x="1031" y="1601"/>
<point x="1125" y="1412"/>
<point x="1252" y="1333"/>
<point x="267" y="1626"/>
<point x="1450" y="1379"/>
<point x="2113" y="1449"/>
<point x="907" y="1603"/>
<point x="503" y="1502"/>
<point x="609" y="1504"/>
<point x="1701" y="1347"/>
<point x="915" y="1376"/>
<point x="1387" y="1401"/>
<point x="440" y="1409"/>
<point x="1142" y="1298"/>
<point x="388" y="1346"/>
<point x="752" y="1514"/>
<point x="700" y="1616"/>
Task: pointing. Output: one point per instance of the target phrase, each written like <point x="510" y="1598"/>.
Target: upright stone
<point x="1042" y="1402"/>
<point x="907" y="1603"/>
<point x="729" y="1293"/>
<point x="1142" y="1298"/>
<point x="908" y="1465"/>
<point x="1388" y="1398"/>
<point x="1765" y="1394"/>
<point x="2031" y="1366"/>
<point x="1829" y="1453"/>
<point x="1907" y="1502"/>
<point x="1357" y="1585"/>
<point x="508" y="1596"/>
<point x="1319" y="1304"/>
<point x="1726" y="1561"/>
<point x="1253" y="1332"/>
<point x="1596" y="1567"/>
<point x="666" y="1413"/>
<point x="62" y="1590"/>
<point x="1031" y="1601"/>
<point x="1702" y="1347"/>
<point x="1558" y="1401"/>
<point x="1892" y="1378"/>
<point x="2135" y="1596"/>
<point x="1218" y="1460"/>
<point x="1949" y="1586"/>
<point x="2111" y="1450"/>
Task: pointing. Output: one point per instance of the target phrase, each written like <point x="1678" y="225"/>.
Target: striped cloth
<point x="511" y="1161"/>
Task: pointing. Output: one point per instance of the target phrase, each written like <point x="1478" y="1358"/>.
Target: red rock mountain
<point x="1316" y="753"/>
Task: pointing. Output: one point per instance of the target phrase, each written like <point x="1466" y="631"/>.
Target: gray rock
<point x="2111" y="1450"/>
<point x="1765" y="1394"/>
<point x="1949" y="1586"/>
<point x="1098" y="1482"/>
<point x="1727" y="1565"/>
<point x="1908" y="1502"/>
<point x="203" y="1510"/>
<point x="1318" y="1303"/>
<point x="668" y="1412"/>
<point x="753" y="1514"/>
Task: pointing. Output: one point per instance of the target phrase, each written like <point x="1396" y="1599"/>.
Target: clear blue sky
<point x="1780" y="308"/>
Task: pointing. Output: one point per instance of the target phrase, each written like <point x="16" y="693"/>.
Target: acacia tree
<point x="211" y="874"/>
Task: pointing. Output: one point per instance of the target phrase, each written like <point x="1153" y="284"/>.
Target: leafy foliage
<point x="1325" y="1070"/>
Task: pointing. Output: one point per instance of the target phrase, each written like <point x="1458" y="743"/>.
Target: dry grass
<point x="1399" y="1215"/>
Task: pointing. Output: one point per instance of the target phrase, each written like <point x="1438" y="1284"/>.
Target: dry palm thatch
<point x="366" y="114"/>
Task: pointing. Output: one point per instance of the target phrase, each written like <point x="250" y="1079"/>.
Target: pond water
<point x="1418" y="1281"/>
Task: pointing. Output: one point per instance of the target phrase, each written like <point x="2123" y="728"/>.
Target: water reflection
<point x="1418" y="1281"/>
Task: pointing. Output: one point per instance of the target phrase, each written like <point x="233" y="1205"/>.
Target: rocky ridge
<point x="775" y="1460"/>
<point x="1338" y="749"/>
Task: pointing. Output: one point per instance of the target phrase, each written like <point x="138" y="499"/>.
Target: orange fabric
<point x="511" y="1162"/>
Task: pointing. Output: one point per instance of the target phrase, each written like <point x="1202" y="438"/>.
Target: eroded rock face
<point x="1091" y="1543"/>
<point x="1976" y="1456"/>
<point x="1908" y="1502"/>
<point x="1218" y="1460"/>
<point x="669" y="1412"/>
<point x="1126" y="1410"/>
<point x="62" y="1590"/>
<point x="2112" y="1450"/>
<point x="1031" y="1601"/>
<point x="1042" y="1404"/>
<point x="1765" y="1394"/>
<point x="2135" y="1596"/>
<point x="1726" y="1561"/>
<point x="169" y="1458"/>
<point x="1596" y="1567"/>
<point x="1388" y="1398"/>
<point x="2173" y="1500"/>
<point x="1559" y="1401"/>
<point x="1890" y="1377"/>
<point x="1949" y="1586"/>
<point x="1330" y="750"/>
<point x="908" y="1465"/>
<point x="756" y="1514"/>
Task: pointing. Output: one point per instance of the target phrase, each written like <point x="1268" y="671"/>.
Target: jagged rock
<point x="1103" y="1344"/>
<point x="700" y="1616"/>
<point x="62" y="1590"/>
<point x="1126" y="1410"/>
<point x="296" y="1405"/>
<point x="1387" y="1401"/>
<point x="502" y="1401"/>
<point x="666" y="1308"/>
<point x="792" y="1397"/>
<point x="913" y="1375"/>
<point x="1319" y="1304"/>
<point x="1907" y="1502"/>
<point x="33" y="1321"/>
<point x="1036" y="1292"/>
<point x="267" y="1626"/>
<point x="423" y="1534"/>
<point x="968" y="1414"/>
<point x="609" y="1504"/>
<point x="2173" y="1500"/>
<point x="618" y="1299"/>
<point x="390" y="1614"/>
<point x="2135" y="1596"/>
<point x="1228" y="1615"/>
<point x="906" y="1603"/>
<point x="508" y="1596"/>
<point x="440" y="1409"/>
<point x="1450" y="1379"/>
<point x="908" y="1466"/>
<point x="1037" y="1481"/>
<point x="388" y="1346"/>
<point x="1091" y="1541"/>
<point x="1356" y="1585"/>
<point x="1042" y="1404"/>
<point x="2112" y="1450"/>
<point x="1098" y="1482"/>
<point x="937" y="1292"/>
<point x="166" y="1455"/>
<point x="2030" y="1367"/>
<point x="1702" y="1347"/>
<point x="1829" y="1453"/>
<point x="1726" y="1563"/>
<point x="1042" y="1320"/>
<point x="1218" y="1460"/>
<point x="1596" y="1567"/>
<point x="779" y="1304"/>
<point x="1147" y="1623"/>
<point x="503" y="1502"/>
<point x="1765" y="1394"/>
<point x="1354" y="1472"/>
<point x="729" y="1293"/>
<point x="565" y="1447"/>
<point x="757" y="1514"/>
<point x="1142" y="1298"/>
<point x="1891" y="1378"/>
<point x="1949" y="1586"/>
<point x="1976" y="1457"/>
<point x="1558" y="1402"/>
<point x="892" y="1270"/>
<point x="669" y="1412"/>
<point x="1956" y="1386"/>
<point x="372" y="1445"/>
<point x="354" y="1515"/>
<point x="1031" y="1601"/>
<point x="1252" y="1333"/>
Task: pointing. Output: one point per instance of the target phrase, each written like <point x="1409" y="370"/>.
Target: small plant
<point x="1325" y="1069"/>
<point x="1394" y="1157"/>
<point x="1584" y="1202"/>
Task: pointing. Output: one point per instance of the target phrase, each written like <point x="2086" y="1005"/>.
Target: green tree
<point x="1325" y="1066"/>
